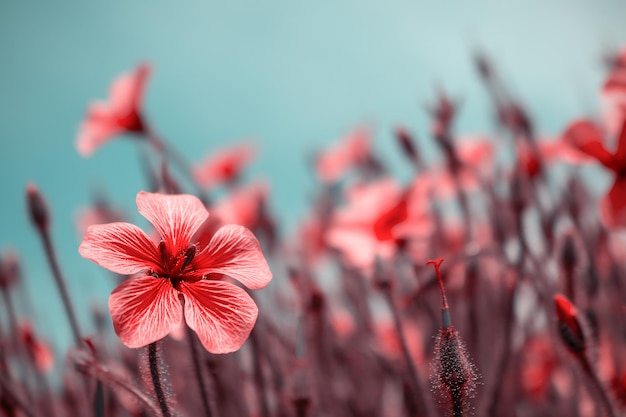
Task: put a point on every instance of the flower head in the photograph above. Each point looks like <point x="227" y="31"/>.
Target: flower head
<point x="120" y="114"/>
<point x="225" y="166"/>
<point x="179" y="279"/>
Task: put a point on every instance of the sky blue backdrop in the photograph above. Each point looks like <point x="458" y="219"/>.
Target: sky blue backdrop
<point x="295" y="75"/>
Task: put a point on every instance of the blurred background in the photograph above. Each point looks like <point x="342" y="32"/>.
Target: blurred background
<point x="291" y="76"/>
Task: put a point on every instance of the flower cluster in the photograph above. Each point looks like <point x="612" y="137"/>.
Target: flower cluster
<point x="355" y="321"/>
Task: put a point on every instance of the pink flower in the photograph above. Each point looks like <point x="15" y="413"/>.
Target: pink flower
<point x="242" y="205"/>
<point x="121" y="114"/>
<point x="225" y="166"/>
<point x="179" y="279"/>
<point x="352" y="150"/>
<point x="377" y="215"/>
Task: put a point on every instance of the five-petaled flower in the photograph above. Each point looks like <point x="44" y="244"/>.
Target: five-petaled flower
<point x="178" y="280"/>
<point x="121" y="114"/>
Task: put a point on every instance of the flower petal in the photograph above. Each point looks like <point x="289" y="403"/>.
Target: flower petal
<point x="222" y="314"/>
<point x="127" y="90"/>
<point x="176" y="217"/>
<point x="235" y="252"/>
<point x="120" y="247"/>
<point x="98" y="128"/>
<point x="586" y="136"/>
<point x="144" y="310"/>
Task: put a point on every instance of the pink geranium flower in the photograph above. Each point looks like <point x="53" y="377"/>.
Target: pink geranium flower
<point x="377" y="215"/>
<point x="121" y="114"/>
<point x="225" y="166"/>
<point x="179" y="279"/>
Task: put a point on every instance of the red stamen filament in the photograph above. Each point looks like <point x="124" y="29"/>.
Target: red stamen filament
<point x="445" y="312"/>
<point x="437" y="263"/>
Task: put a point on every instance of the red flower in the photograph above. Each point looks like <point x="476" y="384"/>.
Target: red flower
<point x="121" y="114"/>
<point x="179" y="278"/>
<point x="586" y="136"/>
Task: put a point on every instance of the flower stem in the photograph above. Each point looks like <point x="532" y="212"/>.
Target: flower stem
<point x="598" y="390"/>
<point x="177" y="159"/>
<point x="457" y="403"/>
<point x="60" y="282"/>
<point x="156" y="379"/>
<point x="8" y="390"/>
<point x="198" y="372"/>
<point x="416" y="400"/>
<point x="87" y="364"/>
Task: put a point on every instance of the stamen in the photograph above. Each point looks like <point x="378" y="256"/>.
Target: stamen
<point x="189" y="255"/>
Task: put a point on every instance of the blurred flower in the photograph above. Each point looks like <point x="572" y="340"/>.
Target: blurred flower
<point x="145" y="308"/>
<point x="121" y="114"/>
<point x="351" y="150"/>
<point x="376" y="216"/>
<point x="224" y="166"/>
<point x="242" y="205"/>
<point x="587" y="137"/>
<point x="38" y="351"/>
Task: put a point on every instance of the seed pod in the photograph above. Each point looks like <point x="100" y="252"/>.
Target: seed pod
<point x="454" y="376"/>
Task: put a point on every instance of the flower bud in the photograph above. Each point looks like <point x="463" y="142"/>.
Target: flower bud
<point x="570" y="327"/>
<point x="37" y="207"/>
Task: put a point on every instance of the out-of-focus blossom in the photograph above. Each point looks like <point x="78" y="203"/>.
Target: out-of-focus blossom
<point x="377" y="214"/>
<point x="120" y="114"/>
<point x="38" y="351"/>
<point x="348" y="152"/>
<point x="178" y="279"/>
<point x="242" y="205"/>
<point x="224" y="166"/>
<point x="587" y="137"/>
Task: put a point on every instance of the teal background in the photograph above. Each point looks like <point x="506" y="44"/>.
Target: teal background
<point x="292" y="75"/>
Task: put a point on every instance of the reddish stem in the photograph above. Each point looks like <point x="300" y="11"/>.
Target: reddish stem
<point x="445" y="309"/>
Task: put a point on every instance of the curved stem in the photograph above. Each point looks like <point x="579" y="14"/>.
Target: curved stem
<point x="156" y="379"/>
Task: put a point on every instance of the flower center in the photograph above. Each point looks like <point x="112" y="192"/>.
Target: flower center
<point x="177" y="267"/>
